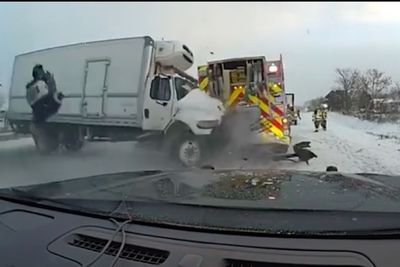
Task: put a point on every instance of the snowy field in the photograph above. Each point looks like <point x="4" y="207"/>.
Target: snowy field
<point x="350" y="144"/>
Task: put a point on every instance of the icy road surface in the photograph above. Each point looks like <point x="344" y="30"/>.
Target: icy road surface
<point x="351" y="144"/>
<point x="20" y="164"/>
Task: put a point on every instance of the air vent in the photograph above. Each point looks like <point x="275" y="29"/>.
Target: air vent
<point x="187" y="59"/>
<point x="241" y="263"/>
<point x="187" y="50"/>
<point x="130" y="252"/>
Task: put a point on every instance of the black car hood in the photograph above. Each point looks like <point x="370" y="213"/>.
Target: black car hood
<point x="248" y="189"/>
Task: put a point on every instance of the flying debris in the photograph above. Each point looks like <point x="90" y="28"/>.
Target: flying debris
<point x="300" y="152"/>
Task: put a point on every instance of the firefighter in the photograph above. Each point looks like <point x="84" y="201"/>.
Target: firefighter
<point x="320" y="117"/>
<point x="324" y="111"/>
<point x="41" y="94"/>
<point x="291" y="114"/>
<point x="298" y="113"/>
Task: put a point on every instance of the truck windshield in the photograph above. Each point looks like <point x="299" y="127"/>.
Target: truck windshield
<point x="182" y="87"/>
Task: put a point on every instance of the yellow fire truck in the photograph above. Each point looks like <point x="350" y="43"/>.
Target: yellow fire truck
<point x="255" y="86"/>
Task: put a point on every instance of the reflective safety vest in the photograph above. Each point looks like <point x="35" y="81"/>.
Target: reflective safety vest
<point x="324" y="114"/>
<point x="320" y="115"/>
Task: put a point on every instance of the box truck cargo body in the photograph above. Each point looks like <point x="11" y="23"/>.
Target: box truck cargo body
<point x="134" y="86"/>
<point x="101" y="81"/>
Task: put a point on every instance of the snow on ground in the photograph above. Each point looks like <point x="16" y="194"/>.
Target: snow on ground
<point x="350" y="144"/>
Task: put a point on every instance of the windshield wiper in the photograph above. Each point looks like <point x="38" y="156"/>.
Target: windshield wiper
<point x="367" y="233"/>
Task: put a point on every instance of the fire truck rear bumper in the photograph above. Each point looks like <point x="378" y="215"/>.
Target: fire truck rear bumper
<point x="272" y="143"/>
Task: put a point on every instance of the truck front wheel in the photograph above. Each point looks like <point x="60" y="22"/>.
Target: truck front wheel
<point x="188" y="149"/>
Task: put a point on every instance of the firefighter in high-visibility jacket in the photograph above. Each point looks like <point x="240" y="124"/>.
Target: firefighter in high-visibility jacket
<point x="320" y="117"/>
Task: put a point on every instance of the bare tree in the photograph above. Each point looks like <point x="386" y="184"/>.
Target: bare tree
<point x="315" y="103"/>
<point x="361" y="96"/>
<point x="376" y="82"/>
<point x="347" y="80"/>
<point x="395" y="91"/>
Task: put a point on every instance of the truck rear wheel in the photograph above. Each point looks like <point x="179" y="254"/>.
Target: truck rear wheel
<point x="73" y="138"/>
<point x="45" y="138"/>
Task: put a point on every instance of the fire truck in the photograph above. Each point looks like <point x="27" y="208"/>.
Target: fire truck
<point x="254" y="89"/>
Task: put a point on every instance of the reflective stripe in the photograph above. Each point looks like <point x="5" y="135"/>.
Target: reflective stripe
<point x="263" y="103"/>
<point x="274" y="121"/>
<point x="270" y="99"/>
<point x="268" y="126"/>
<point x="264" y="111"/>
<point x="235" y="96"/>
<point x="277" y="110"/>
<point x="263" y="106"/>
<point x="203" y="78"/>
<point x="274" y="108"/>
<point x="203" y="83"/>
<point x="273" y="125"/>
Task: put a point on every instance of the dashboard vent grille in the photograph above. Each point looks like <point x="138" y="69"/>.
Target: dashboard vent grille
<point x="130" y="252"/>
<point x="243" y="263"/>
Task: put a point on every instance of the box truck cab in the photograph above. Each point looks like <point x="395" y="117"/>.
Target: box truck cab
<point x="130" y="88"/>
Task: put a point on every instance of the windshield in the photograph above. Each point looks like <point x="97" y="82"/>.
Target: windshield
<point x="182" y="87"/>
<point x="295" y="108"/>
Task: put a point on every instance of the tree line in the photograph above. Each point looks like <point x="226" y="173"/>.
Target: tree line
<point x="353" y="90"/>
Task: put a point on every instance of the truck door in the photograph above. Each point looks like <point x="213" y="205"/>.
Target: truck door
<point x="95" y="88"/>
<point x="158" y="104"/>
<point x="290" y="99"/>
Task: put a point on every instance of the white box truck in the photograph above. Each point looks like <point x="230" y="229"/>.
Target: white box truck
<point x="134" y="87"/>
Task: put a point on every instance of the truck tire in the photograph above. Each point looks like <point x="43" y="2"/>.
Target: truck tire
<point x="188" y="150"/>
<point x="73" y="138"/>
<point x="45" y="138"/>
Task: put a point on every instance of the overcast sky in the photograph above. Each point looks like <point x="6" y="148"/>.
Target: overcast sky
<point x="314" y="38"/>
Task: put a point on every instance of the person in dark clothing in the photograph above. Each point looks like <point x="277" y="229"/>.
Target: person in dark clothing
<point x="300" y="152"/>
<point x="298" y="114"/>
<point x="41" y="94"/>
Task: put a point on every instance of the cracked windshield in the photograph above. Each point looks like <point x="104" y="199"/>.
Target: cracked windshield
<point x="136" y="110"/>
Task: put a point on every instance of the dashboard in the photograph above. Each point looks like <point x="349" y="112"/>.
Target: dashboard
<point x="37" y="236"/>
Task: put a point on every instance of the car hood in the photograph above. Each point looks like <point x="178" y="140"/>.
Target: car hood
<point x="198" y="101"/>
<point x="249" y="189"/>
